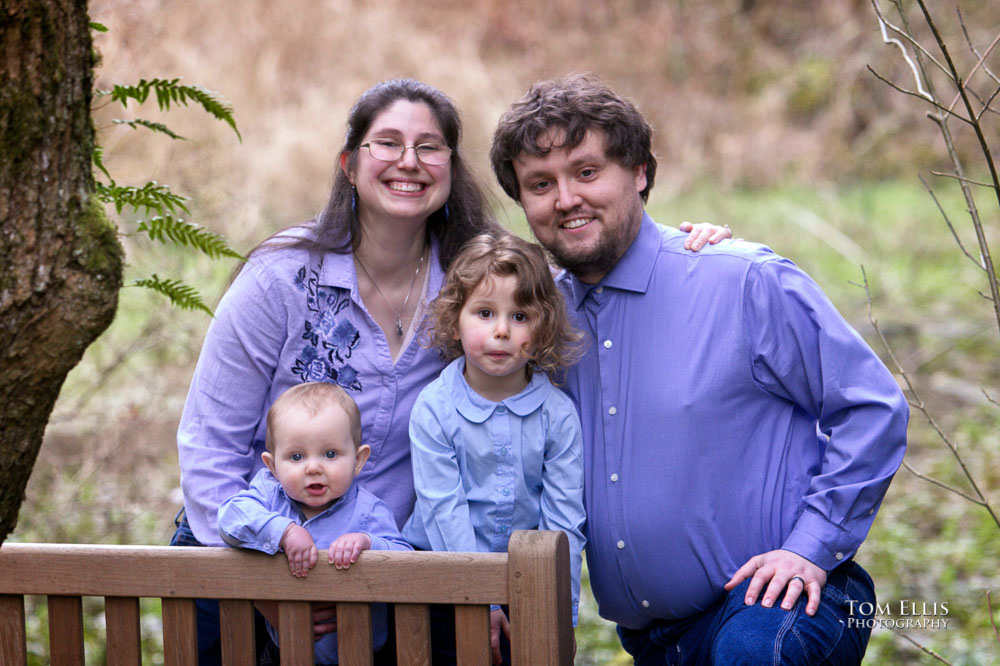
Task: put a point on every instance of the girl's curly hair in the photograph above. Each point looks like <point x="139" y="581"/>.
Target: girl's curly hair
<point x="555" y="342"/>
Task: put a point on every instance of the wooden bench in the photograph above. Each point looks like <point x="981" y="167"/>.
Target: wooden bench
<point x="532" y="578"/>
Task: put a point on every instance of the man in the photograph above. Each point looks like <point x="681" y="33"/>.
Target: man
<point x="739" y="435"/>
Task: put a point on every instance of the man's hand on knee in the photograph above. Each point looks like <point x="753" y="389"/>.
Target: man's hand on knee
<point x="781" y="570"/>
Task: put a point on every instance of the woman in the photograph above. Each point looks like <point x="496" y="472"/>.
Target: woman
<point x="337" y="299"/>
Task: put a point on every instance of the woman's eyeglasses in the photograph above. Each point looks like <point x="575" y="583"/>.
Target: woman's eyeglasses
<point x="431" y="154"/>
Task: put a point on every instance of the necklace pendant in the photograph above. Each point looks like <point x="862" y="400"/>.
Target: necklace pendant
<point x="399" y="326"/>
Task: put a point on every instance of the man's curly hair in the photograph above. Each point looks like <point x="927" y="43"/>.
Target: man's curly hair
<point x="554" y="340"/>
<point x="573" y="106"/>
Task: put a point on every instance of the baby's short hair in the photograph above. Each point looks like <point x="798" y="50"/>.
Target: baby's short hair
<point x="314" y="396"/>
<point x="553" y="337"/>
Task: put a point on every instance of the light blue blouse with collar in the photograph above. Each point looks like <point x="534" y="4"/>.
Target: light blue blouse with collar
<point x="482" y="469"/>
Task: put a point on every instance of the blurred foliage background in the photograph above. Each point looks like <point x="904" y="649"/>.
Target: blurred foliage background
<point x="765" y="118"/>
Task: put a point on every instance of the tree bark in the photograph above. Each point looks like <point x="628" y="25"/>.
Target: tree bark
<point x="60" y="257"/>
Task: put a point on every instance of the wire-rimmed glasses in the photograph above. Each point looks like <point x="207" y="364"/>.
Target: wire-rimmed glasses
<point x="386" y="150"/>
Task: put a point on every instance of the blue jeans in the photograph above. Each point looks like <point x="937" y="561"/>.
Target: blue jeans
<point x="732" y="633"/>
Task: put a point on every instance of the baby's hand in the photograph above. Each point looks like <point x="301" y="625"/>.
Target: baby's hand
<point x="300" y="549"/>
<point x="498" y="623"/>
<point x="345" y="550"/>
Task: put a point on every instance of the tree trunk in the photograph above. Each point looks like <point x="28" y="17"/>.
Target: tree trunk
<point x="60" y="258"/>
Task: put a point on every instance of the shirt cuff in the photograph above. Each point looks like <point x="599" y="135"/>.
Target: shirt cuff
<point x="819" y="541"/>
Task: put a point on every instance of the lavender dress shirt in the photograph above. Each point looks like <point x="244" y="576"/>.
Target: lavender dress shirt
<point x="728" y="410"/>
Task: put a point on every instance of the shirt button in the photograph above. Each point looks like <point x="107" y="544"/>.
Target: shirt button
<point x="600" y="290"/>
<point x="607" y="344"/>
<point x="506" y="491"/>
<point x="501" y="410"/>
<point x="645" y="604"/>
<point x="503" y="451"/>
<point x="614" y="477"/>
<point x="620" y="544"/>
<point x="612" y="410"/>
<point x="871" y="511"/>
<point x="839" y="556"/>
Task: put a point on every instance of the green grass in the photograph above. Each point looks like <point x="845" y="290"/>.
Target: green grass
<point x="107" y="472"/>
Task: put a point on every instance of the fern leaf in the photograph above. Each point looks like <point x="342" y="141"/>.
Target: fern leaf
<point x="156" y="127"/>
<point x="169" y="228"/>
<point x="214" y="104"/>
<point x="97" y="157"/>
<point x="150" y="198"/>
<point x="98" y="27"/>
<point x="171" y="91"/>
<point x="180" y="294"/>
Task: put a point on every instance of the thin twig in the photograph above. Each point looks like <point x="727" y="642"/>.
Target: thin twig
<point x="922" y="647"/>
<point x="951" y="227"/>
<point x="941" y="484"/>
<point x="883" y="24"/>
<point x="986" y="106"/>
<point x="918" y="403"/>
<point x="972" y="47"/>
<point x="972" y="72"/>
<point x="989" y="398"/>
<point x="989" y="604"/>
<point x="965" y="180"/>
<point x="921" y="97"/>
<point x="984" y="247"/>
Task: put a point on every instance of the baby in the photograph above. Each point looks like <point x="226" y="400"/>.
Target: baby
<point x="306" y="494"/>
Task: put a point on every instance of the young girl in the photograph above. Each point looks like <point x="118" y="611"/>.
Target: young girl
<point x="495" y="446"/>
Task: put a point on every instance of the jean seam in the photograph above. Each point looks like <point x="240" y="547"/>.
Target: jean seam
<point x="788" y="626"/>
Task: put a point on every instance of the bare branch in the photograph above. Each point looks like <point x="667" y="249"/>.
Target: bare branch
<point x="984" y="247"/>
<point x="883" y="24"/>
<point x="972" y="47"/>
<point x="989" y="398"/>
<point x="964" y="180"/>
<point x="921" y="646"/>
<point x="972" y="72"/>
<point x="918" y="403"/>
<point x="941" y="484"/>
<point x="986" y="106"/>
<point x="947" y="221"/>
<point x="993" y="623"/>
<point x="933" y="102"/>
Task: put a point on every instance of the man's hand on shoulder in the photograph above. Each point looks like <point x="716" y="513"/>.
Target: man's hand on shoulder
<point x="781" y="570"/>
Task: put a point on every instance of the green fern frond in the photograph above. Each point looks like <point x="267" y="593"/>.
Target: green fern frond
<point x="99" y="27"/>
<point x="150" y="198"/>
<point x="180" y="294"/>
<point x="214" y="104"/>
<point x="156" y="127"/>
<point x="170" y="91"/>
<point x="180" y="232"/>
<point x="97" y="157"/>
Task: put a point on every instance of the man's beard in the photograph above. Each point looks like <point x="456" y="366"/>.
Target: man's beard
<point x="602" y="258"/>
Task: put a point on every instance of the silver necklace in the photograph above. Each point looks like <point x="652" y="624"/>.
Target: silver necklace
<point x="398" y="313"/>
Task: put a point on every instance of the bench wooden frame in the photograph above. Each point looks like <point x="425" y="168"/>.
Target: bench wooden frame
<point x="532" y="578"/>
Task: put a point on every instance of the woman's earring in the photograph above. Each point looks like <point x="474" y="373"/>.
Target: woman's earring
<point x="445" y="211"/>
<point x="354" y="200"/>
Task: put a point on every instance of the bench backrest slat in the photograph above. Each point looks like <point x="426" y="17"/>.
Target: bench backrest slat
<point x="124" y="642"/>
<point x="66" y="645"/>
<point x="13" y="642"/>
<point x="238" y="638"/>
<point x="413" y="629"/>
<point x="533" y="579"/>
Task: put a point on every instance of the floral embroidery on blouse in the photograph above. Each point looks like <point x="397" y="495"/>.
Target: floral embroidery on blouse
<point x="330" y="338"/>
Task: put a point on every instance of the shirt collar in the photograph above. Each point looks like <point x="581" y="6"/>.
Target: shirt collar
<point x="632" y="272"/>
<point x="478" y="409"/>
